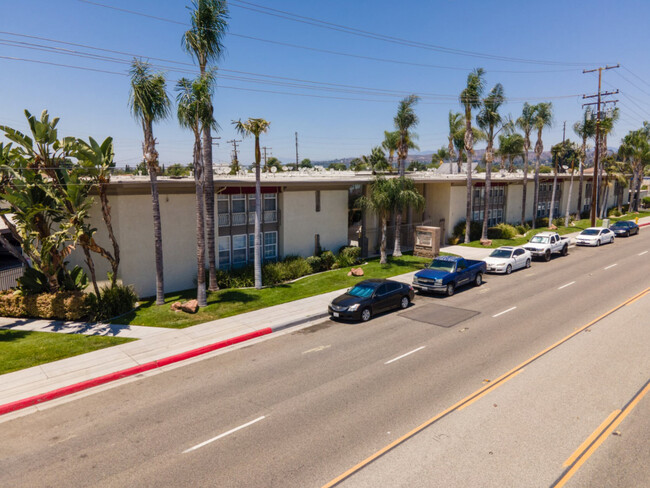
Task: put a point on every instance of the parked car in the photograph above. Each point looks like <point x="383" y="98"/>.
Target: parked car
<point x="505" y="259"/>
<point x="595" y="236"/>
<point x="370" y="297"/>
<point x="544" y="244"/>
<point x="446" y="273"/>
<point x="624" y="228"/>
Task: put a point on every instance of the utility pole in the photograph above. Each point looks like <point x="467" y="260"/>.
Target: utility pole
<point x="563" y="133"/>
<point x="264" y="148"/>
<point x="599" y="95"/>
<point x="296" y="151"/>
<point x="235" y="160"/>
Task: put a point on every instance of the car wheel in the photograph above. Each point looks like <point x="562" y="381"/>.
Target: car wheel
<point x="598" y="243"/>
<point x="509" y="269"/>
<point x="478" y="279"/>
<point x="547" y="256"/>
<point x="405" y="302"/>
<point x="365" y="315"/>
<point x="628" y="234"/>
<point x="450" y="289"/>
<point x="611" y="239"/>
<point x="528" y="263"/>
<point x="565" y="250"/>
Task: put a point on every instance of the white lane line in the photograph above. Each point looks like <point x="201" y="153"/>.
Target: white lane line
<point x="505" y="311"/>
<point x="404" y="355"/>
<point x="568" y="284"/>
<point x="642" y="253"/>
<point x="611" y="266"/>
<point x="224" y="434"/>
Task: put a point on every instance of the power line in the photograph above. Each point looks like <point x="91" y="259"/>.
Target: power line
<point x="371" y="35"/>
<point x="636" y="76"/>
<point x="633" y="84"/>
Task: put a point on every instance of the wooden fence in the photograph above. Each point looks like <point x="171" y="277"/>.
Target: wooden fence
<point x="9" y="277"/>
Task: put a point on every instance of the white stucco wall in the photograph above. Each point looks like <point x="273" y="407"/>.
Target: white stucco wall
<point x="300" y="221"/>
<point x="457" y="206"/>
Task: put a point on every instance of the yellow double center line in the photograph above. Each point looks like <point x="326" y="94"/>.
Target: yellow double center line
<point x="477" y="394"/>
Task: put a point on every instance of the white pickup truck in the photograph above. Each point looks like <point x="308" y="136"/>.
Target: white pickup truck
<point x="542" y="245"/>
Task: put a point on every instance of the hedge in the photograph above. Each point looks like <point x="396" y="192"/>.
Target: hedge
<point x="63" y="305"/>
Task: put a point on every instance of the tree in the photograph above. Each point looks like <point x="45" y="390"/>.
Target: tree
<point x="562" y="154"/>
<point x="204" y="41"/>
<point x="635" y="149"/>
<point x="337" y="166"/>
<point x="357" y="164"/>
<point x="543" y="119"/>
<point x="585" y="129"/>
<point x="149" y="103"/>
<point x="417" y="166"/>
<point x="526" y="123"/>
<point x="510" y="147"/>
<point x="194" y="112"/>
<point x="274" y="162"/>
<point x="404" y="196"/>
<point x="489" y="119"/>
<point x="256" y="127"/>
<point x="391" y="144"/>
<point x="441" y="155"/>
<point x="455" y="127"/>
<point x="376" y="160"/>
<point x="306" y="163"/>
<point x="380" y="200"/>
<point x="470" y="98"/>
<point x="606" y="128"/>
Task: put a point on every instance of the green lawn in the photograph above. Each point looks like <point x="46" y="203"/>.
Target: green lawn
<point x="21" y="349"/>
<point x="578" y="225"/>
<point x="228" y="302"/>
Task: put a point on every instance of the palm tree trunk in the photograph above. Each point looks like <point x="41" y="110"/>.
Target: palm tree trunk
<point x="486" y="199"/>
<point x="639" y="180"/>
<point x="258" y="217"/>
<point x="200" y="223"/>
<point x="91" y="267"/>
<point x="208" y="192"/>
<point x="151" y="158"/>
<point x="525" y="182"/>
<point x="469" y="147"/>
<point x="536" y="189"/>
<point x="568" y="204"/>
<point x="552" y="209"/>
<point x="382" y="245"/>
<point x="581" y="180"/>
<point x="397" y="249"/>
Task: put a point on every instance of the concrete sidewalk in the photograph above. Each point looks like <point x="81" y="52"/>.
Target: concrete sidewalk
<point x="157" y="343"/>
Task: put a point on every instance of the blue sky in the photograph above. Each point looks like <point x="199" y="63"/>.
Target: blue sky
<point x="340" y="121"/>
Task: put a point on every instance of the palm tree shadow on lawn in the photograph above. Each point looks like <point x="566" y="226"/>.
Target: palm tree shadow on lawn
<point x="232" y="296"/>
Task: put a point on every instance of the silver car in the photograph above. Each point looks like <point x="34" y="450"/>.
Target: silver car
<point x="506" y="259"/>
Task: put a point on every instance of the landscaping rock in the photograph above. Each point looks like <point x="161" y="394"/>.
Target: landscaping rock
<point x="486" y="242"/>
<point x="176" y="306"/>
<point x="190" y="307"/>
<point x="355" y="272"/>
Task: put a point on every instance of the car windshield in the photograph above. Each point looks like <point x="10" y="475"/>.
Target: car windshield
<point x="617" y="225"/>
<point x="539" y="240"/>
<point x="501" y="253"/>
<point x="441" y="265"/>
<point x="590" y="232"/>
<point x="361" y="291"/>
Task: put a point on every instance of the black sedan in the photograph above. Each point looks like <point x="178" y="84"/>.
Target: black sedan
<point x="370" y="297"/>
<point x="624" y="228"/>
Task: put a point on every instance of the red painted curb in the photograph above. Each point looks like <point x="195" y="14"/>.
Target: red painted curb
<point x="643" y="225"/>
<point x="84" y="385"/>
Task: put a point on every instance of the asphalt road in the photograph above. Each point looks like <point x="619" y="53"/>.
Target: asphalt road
<point x="301" y="409"/>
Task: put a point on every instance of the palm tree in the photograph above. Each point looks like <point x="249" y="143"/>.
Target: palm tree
<point x="606" y="128"/>
<point x="526" y="122"/>
<point x="255" y="127"/>
<point x="376" y="160"/>
<point x="149" y="103"/>
<point x="204" y="41"/>
<point x="635" y="149"/>
<point x="357" y="164"/>
<point x="585" y="129"/>
<point x="405" y="195"/>
<point x="488" y="119"/>
<point x="441" y="155"/>
<point x="470" y="98"/>
<point x="380" y="200"/>
<point x="455" y="122"/>
<point x="511" y="146"/>
<point x="391" y="144"/>
<point x="543" y="118"/>
<point x="194" y="113"/>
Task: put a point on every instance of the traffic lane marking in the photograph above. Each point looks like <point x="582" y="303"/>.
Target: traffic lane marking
<point x="478" y="392"/>
<point x="568" y="284"/>
<point x="478" y="397"/>
<point x="505" y="311"/>
<point x="595" y="444"/>
<point x="611" y="266"/>
<point x="642" y="253"/>
<point x="220" y="436"/>
<point x="589" y="440"/>
<point x="404" y="355"/>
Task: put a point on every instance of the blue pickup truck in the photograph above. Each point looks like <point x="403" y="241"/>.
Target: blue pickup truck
<point x="446" y="273"/>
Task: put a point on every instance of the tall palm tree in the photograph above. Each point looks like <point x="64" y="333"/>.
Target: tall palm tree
<point x="149" y="103"/>
<point x="542" y="120"/>
<point x="635" y="149"/>
<point x="391" y="144"/>
<point x="404" y="120"/>
<point x="488" y="119"/>
<point x="380" y="200"/>
<point x="470" y="98"/>
<point x="455" y="122"/>
<point x="194" y="113"/>
<point x="204" y="41"/>
<point x="606" y="128"/>
<point x="255" y="127"/>
<point x="526" y="122"/>
<point x="376" y="160"/>
<point x="405" y="195"/>
<point x="511" y="146"/>
<point x="585" y="129"/>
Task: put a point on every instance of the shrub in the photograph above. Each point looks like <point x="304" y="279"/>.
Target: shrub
<point x="559" y="221"/>
<point x="315" y="263"/>
<point x="295" y="267"/>
<point x="521" y="229"/>
<point x="272" y="273"/>
<point x="348" y="256"/>
<point x="507" y="231"/>
<point x="541" y="222"/>
<point x="545" y="169"/>
<point x="494" y="233"/>
<point x="328" y="259"/>
<point x="63" y="305"/>
<point x="237" y="278"/>
<point x="112" y="301"/>
<point x="646" y="201"/>
<point x="585" y="214"/>
<point x="475" y="229"/>
<point x="614" y="213"/>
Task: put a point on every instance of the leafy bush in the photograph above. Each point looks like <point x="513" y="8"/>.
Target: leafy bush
<point x="63" y="305"/>
<point x="545" y="169"/>
<point x="541" y="222"/>
<point x="585" y="214"/>
<point x="522" y="229"/>
<point x="494" y="233"/>
<point x="34" y="282"/>
<point x="328" y="259"/>
<point x="237" y="278"/>
<point x="111" y="302"/>
<point x="614" y="213"/>
<point x="507" y="231"/>
<point x="646" y="201"/>
<point x="315" y="263"/>
<point x="559" y="221"/>
<point x="475" y="229"/>
<point x="274" y="273"/>
<point x="348" y="256"/>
